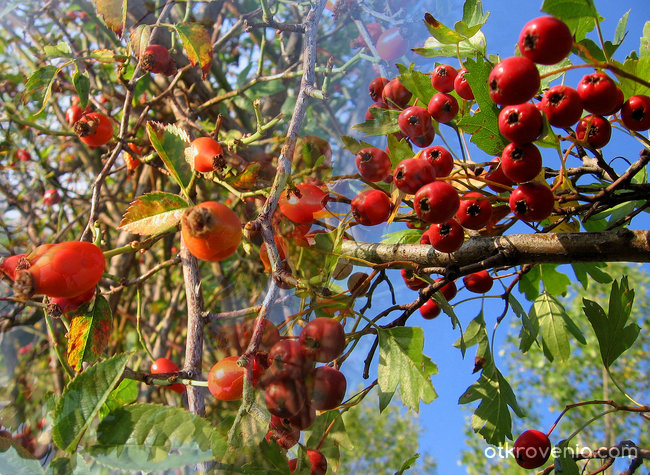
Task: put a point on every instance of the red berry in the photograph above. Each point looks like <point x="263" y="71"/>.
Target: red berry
<point x="430" y="309"/>
<point x="156" y="59"/>
<point x="474" y="211"/>
<point x="442" y="78"/>
<point x="94" y="129"/>
<point x="371" y="207"/>
<point x="440" y="158"/>
<point x="327" y="388"/>
<point x="562" y="106"/>
<point x="595" y="130"/>
<point x="414" y="121"/>
<point x="462" y="87"/>
<point x="411" y="174"/>
<point x="380" y="104"/>
<point x="598" y="93"/>
<point x="513" y="81"/>
<point x="391" y="45"/>
<point x="412" y="280"/>
<point x="532" y="201"/>
<point x="545" y="40"/>
<point x="478" y="282"/>
<point x="72" y="304"/>
<point x="300" y="205"/>
<point x="324" y="339"/>
<point x="289" y="358"/>
<point x="436" y="202"/>
<point x="448" y="290"/>
<point x="73" y="114"/>
<point x="636" y="113"/>
<point x="282" y="433"/>
<point x="285" y="397"/>
<point x="532" y="449"/>
<point x="443" y="107"/>
<point x="444" y="237"/>
<point x="51" y="197"/>
<point x="205" y="155"/>
<point x="23" y="155"/>
<point x="316" y="459"/>
<point x="496" y="176"/>
<point x="131" y="159"/>
<point x="521" y="123"/>
<point x="395" y="94"/>
<point x="425" y="139"/>
<point x="211" y="231"/>
<point x="305" y="417"/>
<point x="376" y="86"/>
<point x="521" y="162"/>
<point x="373" y="164"/>
<point x="164" y="365"/>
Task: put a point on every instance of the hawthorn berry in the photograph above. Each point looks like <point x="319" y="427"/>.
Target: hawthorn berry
<point x="395" y="94"/>
<point x="521" y="123"/>
<point x="521" y="162"/>
<point x="497" y="180"/>
<point x="635" y="113"/>
<point x="436" y="202"/>
<point x="462" y="87"/>
<point x="514" y="80"/>
<point x="373" y="164"/>
<point x="282" y="432"/>
<point x="371" y="207"/>
<point x="211" y="231"/>
<point x="562" y="106"/>
<point x="376" y="86"/>
<point x="443" y="107"/>
<point x="532" y="449"/>
<point x="595" y="130"/>
<point x="94" y="129"/>
<point x="391" y="44"/>
<point x="156" y="59"/>
<point x="23" y="155"/>
<point x="598" y="93"/>
<point x="300" y="204"/>
<point x="545" y="40"/>
<point x="51" y="197"/>
<point x="226" y="378"/>
<point x="474" y="211"/>
<point x="412" y="280"/>
<point x="440" y="158"/>
<point x="411" y="174"/>
<point x="479" y="282"/>
<point x="442" y="78"/>
<point x="289" y="358"/>
<point x="317" y="461"/>
<point x="285" y="397"/>
<point x="532" y="201"/>
<point x="444" y="237"/>
<point x="164" y="365"/>
<point x="205" y="155"/>
<point x="327" y="388"/>
<point x="414" y="121"/>
<point x="430" y="309"/>
<point x="449" y="290"/>
<point x="305" y="418"/>
<point x="425" y="139"/>
<point x="73" y="114"/>
<point x="323" y="339"/>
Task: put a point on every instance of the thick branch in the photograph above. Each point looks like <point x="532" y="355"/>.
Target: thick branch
<point x="622" y="245"/>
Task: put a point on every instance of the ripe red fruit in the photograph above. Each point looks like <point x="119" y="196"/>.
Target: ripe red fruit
<point x="636" y="113"/>
<point x="51" y="197"/>
<point x="496" y="176"/>
<point x="474" y="211"/>
<point x="442" y="78"/>
<point x="205" y="155"/>
<point x="436" y="202"/>
<point x="244" y="333"/>
<point x="414" y="121"/>
<point x="444" y="237"/>
<point x="226" y="378"/>
<point x="376" y="86"/>
<point x="425" y="139"/>
<point x="305" y="417"/>
<point x="299" y="205"/>
<point x="545" y="40"/>
<point x="443" y="107"/>
<point x="532" y="201"/>
<point x="67" y="269"/>
<point x="440" y="158"/>
<point x="283" y="433"/>
<point x="562" y="106"/>
<point x="430" y="309"/>
<point x="72" y="304"/>
<point x="411" y="174"/>
<point x="598" y="93"/>
<point x="380" y="104"/>
<point x="391" y="44"/>
<point x="462" y="87"/>
<point x="327" y="388"/>
<point x="131" y="158"/>
<point x="285" y="397"/>
<point x="324" y="339"/>
<point x="395" y="94"/>
<point x="513" y="81"/>
<point x="290" y="358"/>
<point x="23" y="155"/>
<point x="521" y="123"/>
<point x="478" y="282"/>
<point x="373" y="164"/>
<point x="521" y="162"/>
<point x="448" y="290"/>
<point x="9" y="264"/>
<point x="211" y="231"/>
<point x="412" y="280"/>
<point x="371" y="207"/>
<point x="73" y="114"/>
<point x="283" y="250"/>
<point x="156" y="59"/>
<point x="94" y="129"/>
<point x="164" y="365"/>
<point x="532" y="449"/>
<point x="595" y="130"/>
<point x="316" y="459"/>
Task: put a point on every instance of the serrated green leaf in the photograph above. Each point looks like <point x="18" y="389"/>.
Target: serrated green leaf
<point x="473" y="13"/>
<point x="407" y="464"/>
<point x="466" y="49"/>
<point x="398" y="149"/>
<point x="644" y="45"/>
<point x="614" y="335"/>
<point x="13" y="463"/>
<point x="61" y="49"/>
<point x="418" y="83"/>
<point x="384" y="399"/>
<point x="197" y="44"/>
<point x="565" y="9"/>
<point x="555" y="283"/>
<point x="529" y="283"/>
<point x="81" y="84"/>
<point x="82" y="399"/>
<point x="170" y="143"/>
<point x="153" y="213"/>
<point x="621" y="28"/>
<point x="639" y="67"/>
<point x="401" y="362"/>
<point x="384" y="122"/>
<point x="89" y="333"/>
<point x="267" y="459"/>
<point x="39" y="86"/>
<point x="555" y="324"/>
<point x="529" y="326"/>
<point x="440" y="32"/>
<point x="594" y="270"/>
<point x="405" y="236"/>
<point x="125" y="393"/>
<point x="353" y="145"/>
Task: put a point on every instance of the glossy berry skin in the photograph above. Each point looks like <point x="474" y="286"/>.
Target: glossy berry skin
<point x="442" y="78"/>
<point x="545" y="40"/>
<point x="285" y="397"/>
<point x="430" y="309"/>
<point x="436" y="202"/>
<point x="300" y="207"/>
<point x="391" y="44"/>
<point x="156" y="59"/>
<point x="425" y="139"/>
<point x="532" y="201"/>
<point x="327" y="388"/>
<point x="521" y="123"/>
<point x="73" y="114"/>
<point x="164" y="365"/>
<point x="94" y="129"/>
<point x="562" y="106"/>
<point x="440" y="158"/>
<point x="373" y="164"/>
<point x="411" y="174"/>
<point x="23" y="155"/>
<point x="211" y="231"/>
<point x="131" y="158"/>
<point x="316" y="459"/>
<point x="500" y="182"/>
<point x="620" y="99"/>
<point x="375" y="87"/>
<point x="414" y="121"/>
<point x="205" y="155"/>
<point x="289" y="358"/>
<point x="636" y="113"/>
<point x="474" y="211"/>
<point x="9" y="264"/>
<point x="479" y="282"/>
<point x="595" y="130"/>
<point x="443" y="107"/>
<point x="67" y="269"/>
<point x="323" y="338"/>
<point x="51" y="197"/>
<point x="72" y="304"/>
<point x="412" y="280"/>
<point x="462" y="87"/>
<point x="444" y="237"/>
<point x="371" y="207"/>
<point x="532" y="449"/>
<point x="598" y="93"/>
<point x="514" y="80"/>
<point x="521" y="162"/>
<point x="226" y="378"/>
<point x="395" y="94"/>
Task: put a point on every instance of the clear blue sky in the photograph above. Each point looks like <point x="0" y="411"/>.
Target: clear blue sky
<point x="444" y="421"/>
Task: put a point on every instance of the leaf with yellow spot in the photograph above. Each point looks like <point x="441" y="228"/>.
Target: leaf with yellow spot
<point x="247" y="178"/>
<point x="197" y="44"/>
<point x="89" y="333"/>
<point x="153" y="213"/>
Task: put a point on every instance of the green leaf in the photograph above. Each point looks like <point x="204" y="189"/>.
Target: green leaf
<point x="565" y="9"/>
<point x="418" y="83"/>
<point x="13" y="461"/>
<point x="170" y="143"/>
<point x="82" y="86"/>
<point x="492" y="417"/>
<point x="405" y="236"/>
<point x="384" y="399"/>
<point x="466" y="49"/>
<point x="529" y="283"/>
<point x="60" y="50"/>
<point x="39" y="85"/>
<point x="89" y="334"/>
<point x="151" y="437"/>
<point x="644" y="46"/>
<point x="529" y="326"/>
<point x="475" y="334"/>
<point x="440" y="32"/>
<point x="555" y="324"/>
<point x="354" y="145"/>
<point x="639" y="67"/>
<point x="621" y="28"/>
<point x="197" y="44"/>
<point x="384" y="122"/>
<point x="60" y="466"/>
<point x="398" y="150"/>
<point x="336" y="437"/>
<point x="125" y="393"/>
<point x="555" y="283"/>
<point x="565" y="464"/>
<point x="407" y="464"/>
<point x="265" y="459"/>
<point x="153" y="213"/>
<point x="614" y="335"/>
<point x="82" y="399"/>
<point x="473" y="13"/>
<point x="401" y="362"/>
<point x="594" y="270"/>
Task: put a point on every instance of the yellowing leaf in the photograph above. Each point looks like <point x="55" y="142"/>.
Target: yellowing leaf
<point x="153" y="213"/>
<point x="114" y="14"/>
<point x="89" y="333"/>
<point x="196" y="41"/>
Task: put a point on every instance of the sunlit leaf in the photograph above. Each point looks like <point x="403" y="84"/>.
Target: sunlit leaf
<point x="384" y="122"/>
<point x="247" y="178"/>
<point x="170" y="143"/>
<point x="114" y="14"/>
<point x="153" y="213"/>
<point x="39" y="86"/>
<point x="89" y="333"/>
<point x="197" y="44"/>
<point x="555" y="325"/>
